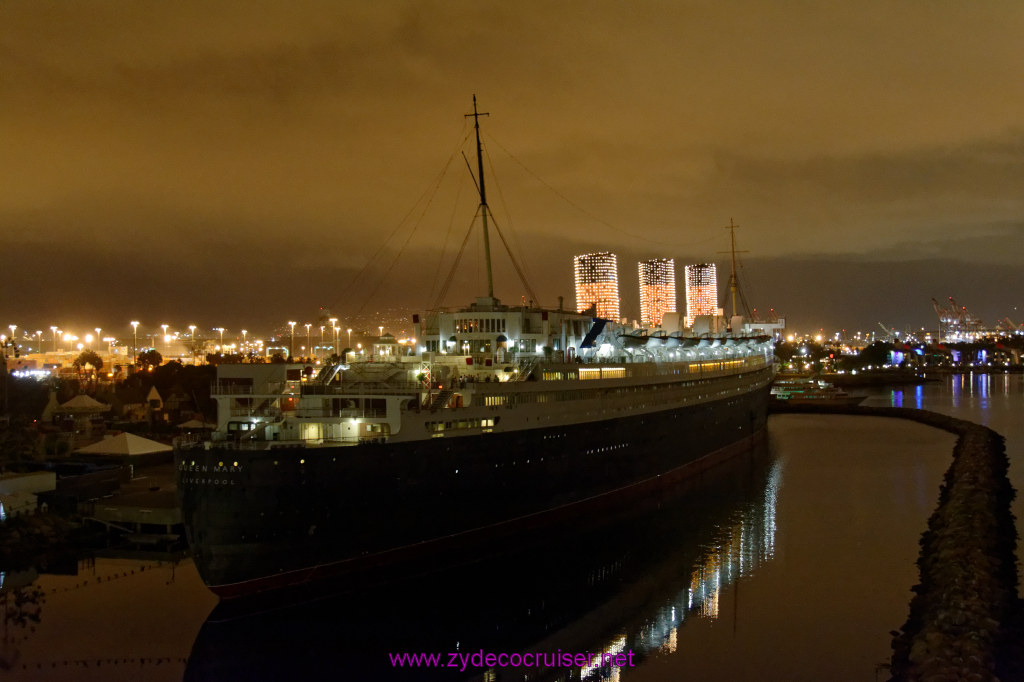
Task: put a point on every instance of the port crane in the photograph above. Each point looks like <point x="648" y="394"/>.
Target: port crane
<point x="955" y="321"/>
<point x="771" y="318"/>
<point x="1006" y="324"/>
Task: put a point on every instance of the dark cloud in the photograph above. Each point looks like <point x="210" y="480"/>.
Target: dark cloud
<point x="278" y="146"/>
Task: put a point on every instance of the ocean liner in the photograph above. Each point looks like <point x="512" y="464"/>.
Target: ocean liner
<point x="510" y="420"/>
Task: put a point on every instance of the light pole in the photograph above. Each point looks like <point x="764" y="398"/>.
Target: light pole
<point x="221" y="330"/>
<point x="135" y="342"/>
<point x="39" y="339"/>
<point x="308" y="325"/>
<point x="350" y="338"/>
<point x="321" y="342"/>
<point x="291" y="340"/>
<point x="54" y="330"/>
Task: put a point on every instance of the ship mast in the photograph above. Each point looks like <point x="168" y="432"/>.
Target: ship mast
<point x="733" y="282"/>
<point x="483" y="196"/>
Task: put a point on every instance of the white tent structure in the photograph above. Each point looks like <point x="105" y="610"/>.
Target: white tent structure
<point x="196" y="424"/>
<point x="125" y="444"/>
<point x="83" y="404"/>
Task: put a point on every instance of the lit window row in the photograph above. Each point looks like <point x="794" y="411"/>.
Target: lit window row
<point x="471" y="326"/>
<point x="455" y="424"/>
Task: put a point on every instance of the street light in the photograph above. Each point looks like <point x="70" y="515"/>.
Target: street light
<point x="349" y="338"/>
<point x="321" y="342"/>
<point x="308" y="325"/>
<point x="291" y="340"/>
<point x="54" y="330"/>
<point x="135" y="343"/>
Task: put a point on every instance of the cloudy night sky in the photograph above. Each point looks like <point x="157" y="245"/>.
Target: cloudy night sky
<point x="244" y="163"/>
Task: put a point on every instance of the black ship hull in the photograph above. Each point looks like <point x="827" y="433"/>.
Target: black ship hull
<point x="259" y="520"/>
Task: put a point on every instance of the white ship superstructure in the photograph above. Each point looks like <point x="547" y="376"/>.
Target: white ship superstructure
<point x="501" y="369"/>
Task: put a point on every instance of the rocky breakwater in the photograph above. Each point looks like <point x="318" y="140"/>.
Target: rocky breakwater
<point x="966" y="620"/>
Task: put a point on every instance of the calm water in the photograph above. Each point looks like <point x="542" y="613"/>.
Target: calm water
<point x="795" y="565"/>
<point x="995" y="400"/>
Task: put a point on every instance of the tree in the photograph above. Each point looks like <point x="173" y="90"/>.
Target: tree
<point x="21" y="609"/>
<point x="17" y="442"/>
<point x="875" y="355"/>
<point x="25" y="397"/>
<point x="150" y="358"/>
<point x="89" y="357"/>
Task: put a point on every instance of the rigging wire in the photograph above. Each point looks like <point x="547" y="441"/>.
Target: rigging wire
<point x="508" y="215"/>
<point x="515" y="263"/>
<point x="455" y="266"/>
<point x="428" y="195"/>
<point x="447" y="237"/>
<point x="401" y="250"/>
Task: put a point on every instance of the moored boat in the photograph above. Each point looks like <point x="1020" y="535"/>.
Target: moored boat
<point x="811" y="391"/>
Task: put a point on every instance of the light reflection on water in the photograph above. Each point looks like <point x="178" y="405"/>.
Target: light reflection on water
<point x="106" y="619"/>
<point x="993" y="399"/>
<point x="985" y="398"/>
<point x="972" y="390"/>
<point x="737" y="550"/>
<point x="906" y="397"/>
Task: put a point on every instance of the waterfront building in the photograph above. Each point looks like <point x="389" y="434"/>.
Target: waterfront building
<point x="657" y="290"/>
<point x="701" y="291"/>
<point x="597" y="283"/>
